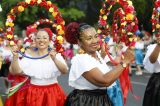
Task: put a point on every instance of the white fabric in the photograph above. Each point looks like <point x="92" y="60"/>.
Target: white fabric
<point x="139" y="45"/>
<point x="82" y="63"/>
<point x="41" y="71"/>
<point x="6" y="54"/>
<point x="146" y="62"/>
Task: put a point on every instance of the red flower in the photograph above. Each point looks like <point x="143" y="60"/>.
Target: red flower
<point x="102" y="22"/>
<point x="129" y="9"/>
<point x="157" y="4"/>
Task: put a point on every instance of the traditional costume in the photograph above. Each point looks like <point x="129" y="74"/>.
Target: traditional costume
<point x="86" y="93"/>
<point x="152" y="94"/>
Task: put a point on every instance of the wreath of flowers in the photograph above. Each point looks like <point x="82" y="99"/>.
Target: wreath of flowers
<point x="128" y="20"/>
<point x="58" y="20"/>
<point x="155" y="19"/>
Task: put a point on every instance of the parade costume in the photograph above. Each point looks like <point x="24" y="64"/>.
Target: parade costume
<point x="88" y="94"/>
<point x="152" y="94"/>
<point x="1" y="104"/>
<point x="44" y="88"/>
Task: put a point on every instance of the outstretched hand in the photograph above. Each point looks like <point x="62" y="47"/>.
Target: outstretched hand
<point x="129" y="56"/>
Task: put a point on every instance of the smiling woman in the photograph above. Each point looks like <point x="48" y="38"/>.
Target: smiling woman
<point x="43" y="72"/>
<point x="89" y="74"/>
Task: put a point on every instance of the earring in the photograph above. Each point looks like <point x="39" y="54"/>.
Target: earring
<point x="81" y="51"/>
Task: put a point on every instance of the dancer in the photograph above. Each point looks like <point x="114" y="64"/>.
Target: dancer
<point x="44" y="88"/>
<point x="89" y="75"/>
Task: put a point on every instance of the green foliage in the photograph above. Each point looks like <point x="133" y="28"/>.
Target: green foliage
<point x="74" y="10"/>
<point x="72" y="14"/>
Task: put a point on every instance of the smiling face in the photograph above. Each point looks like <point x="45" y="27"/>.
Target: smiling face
<point x="89" y="40"/>
<point x="42" y="39"/>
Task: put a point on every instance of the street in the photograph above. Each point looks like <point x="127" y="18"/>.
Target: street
<point x="138" y="82"/>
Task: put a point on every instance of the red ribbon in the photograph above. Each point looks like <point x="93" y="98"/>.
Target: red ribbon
<point x="124" y="79"/>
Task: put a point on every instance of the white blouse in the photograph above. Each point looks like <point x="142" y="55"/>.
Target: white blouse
<point x="82" y="63"/>
<point x="41" y="71"/>
<point x="146" y="62"/>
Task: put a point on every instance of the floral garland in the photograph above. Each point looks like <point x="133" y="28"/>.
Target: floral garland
<point x="128" y="19"/>
<point x="155" y="19"/>
<point x="58" y="20"/>
<point x="118" y="14"/>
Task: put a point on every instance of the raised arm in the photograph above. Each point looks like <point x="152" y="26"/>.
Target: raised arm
<point x="60" y="65"/>
<point x="15" y="68"/>
<point x="154" y="55"/>
<point x="96" y="77"/>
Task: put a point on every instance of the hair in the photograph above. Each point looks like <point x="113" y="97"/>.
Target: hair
<point x="48" y="30"/>
<point x="73" y="31"/>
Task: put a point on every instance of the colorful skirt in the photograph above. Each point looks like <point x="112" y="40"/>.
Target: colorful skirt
<point x="115" y="94"/>
<point x="48" y="95"/>
<point x="152" y="93"/>
<point x="19" y="97"/>
<point x="88" y="98"/>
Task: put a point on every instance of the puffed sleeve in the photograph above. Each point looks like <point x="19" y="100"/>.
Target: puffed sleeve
<point x="60" y="58"/>
<point x="80" y="64"/>
<point x="146" y="62"/>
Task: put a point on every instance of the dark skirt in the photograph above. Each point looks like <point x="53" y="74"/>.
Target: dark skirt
<point x="4" y="69"/>
<point x="88" y="98"/>
<point x="152" y="93"/>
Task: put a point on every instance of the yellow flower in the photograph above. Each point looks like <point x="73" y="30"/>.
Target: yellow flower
<point x="11" y="43"/>
<point x="20" y="8"/>
<point x="102" y="11"/>
<point x="105" y="17"/>
<point x="157" y="26"/>
<point x="54" y="14"/>
<point x="28" y="1"/>
<point x="130" y="39"/>
<point x="11" y="24"/>
<point x="51" y="9"/>
<point x="59" y="27"/>
<point x="129" y="17"/>
<point x="54" y="25"/>
<point x="99" y="31"/>
<point x="49" y="2"/>
<point x="11" y="11"/>
<point x="129" y="3"/>
<point x="22" y="50"/>
<point x="63" y="22"/>
<point x="39" y="1"/>
<point x="135" y="39"/>
<point x="124" y="23"/>
<point x="9" y="36"/>
<point x="60" y="39"/>
<point x="7" y="23"/>
<point x="153" y="30"/>
<point x="60" y="32"/>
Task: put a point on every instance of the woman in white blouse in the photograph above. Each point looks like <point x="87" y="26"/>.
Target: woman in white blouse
<point x="89" y="75"/>
<point x="152" y="64"/>
<point x="44" y="89"/>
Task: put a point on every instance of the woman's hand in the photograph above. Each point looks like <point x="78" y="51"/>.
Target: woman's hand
<point x="128" y="56"/>
<point x="53" y="53"/>
<point x="14" y="50"/>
